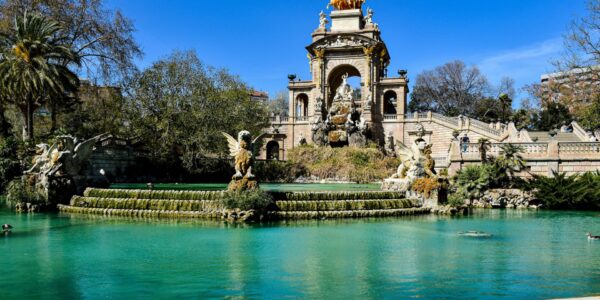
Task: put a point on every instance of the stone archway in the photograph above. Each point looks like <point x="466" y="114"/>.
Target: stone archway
<point x="273" y="150"/>
<point x="390" y="100"/>
<point x="335" y="80"/>
<point x="302" y="106"/>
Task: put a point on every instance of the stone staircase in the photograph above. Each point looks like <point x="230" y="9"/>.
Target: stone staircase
<point x="207" y="204"/>
<point x="322" y="205"/>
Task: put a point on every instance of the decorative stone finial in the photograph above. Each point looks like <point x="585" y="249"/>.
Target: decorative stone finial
<point x="323" y="21"/>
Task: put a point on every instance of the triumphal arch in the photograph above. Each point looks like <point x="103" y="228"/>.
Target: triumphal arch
<point x="326" y="110"/>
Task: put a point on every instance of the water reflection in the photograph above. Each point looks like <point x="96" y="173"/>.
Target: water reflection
<point x="531" y="255"/>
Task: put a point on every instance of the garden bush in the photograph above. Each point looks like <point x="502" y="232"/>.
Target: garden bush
<point x="19" y="192"/>
<point x="257" y="200"/>
<point x="580" y="192"/>
<point x="425" y="186"/>
<point x="10" y="166"/>
<point x="456" y="200"/>
<point x="362" y="165"/>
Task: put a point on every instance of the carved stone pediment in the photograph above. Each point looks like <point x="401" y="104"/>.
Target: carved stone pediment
<point x="342" y="41"/>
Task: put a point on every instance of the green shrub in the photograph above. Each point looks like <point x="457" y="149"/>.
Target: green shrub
<point x="456" y="200"/>
<point x="257" y="200"/>
<point x="362" y="165"/>
<point x="18" y="192"/>
<point x="10" y="166"/>
<point x="567" y="192"/>
<point x="472" y="181"/>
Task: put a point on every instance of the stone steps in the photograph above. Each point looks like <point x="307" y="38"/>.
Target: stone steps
<point x="351" y="213"/>
<point x="140" y="213"/>
<point x="146" y="204"/>
<point x="207" y="204"/>
<point x="344" y="205"/>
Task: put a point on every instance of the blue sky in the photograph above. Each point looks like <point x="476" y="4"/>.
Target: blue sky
<point x="262" y="41"/>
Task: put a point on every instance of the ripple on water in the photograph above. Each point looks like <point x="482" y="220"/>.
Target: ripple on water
<point x="531" y="255"/>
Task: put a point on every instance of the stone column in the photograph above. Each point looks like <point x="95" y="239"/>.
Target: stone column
<point x="553" y="157"/>
<point x="455" y="157"/>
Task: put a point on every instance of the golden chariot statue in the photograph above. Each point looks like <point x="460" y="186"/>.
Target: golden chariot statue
<point x="346" y="4"/>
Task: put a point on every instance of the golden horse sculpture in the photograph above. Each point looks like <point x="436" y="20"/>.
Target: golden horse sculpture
<point x="346" y="4"/>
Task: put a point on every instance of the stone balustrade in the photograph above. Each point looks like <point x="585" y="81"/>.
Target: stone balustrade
<point x="390" y="117"/>
<point x="279" y="120"/>
<point x="450" y="120"/>
<point x="528" y="148"/>
<point x="541" y="158"/>
<point x="579" y="147"/>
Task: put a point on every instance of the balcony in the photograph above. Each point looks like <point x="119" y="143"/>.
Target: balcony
<point x="390" y="117"/>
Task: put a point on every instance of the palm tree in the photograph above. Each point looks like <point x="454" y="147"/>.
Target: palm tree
<point x="506" y="102"/>
<point x="484" y="147"/>
<point x="510" y="159"/>
<point x="32" y="65"/>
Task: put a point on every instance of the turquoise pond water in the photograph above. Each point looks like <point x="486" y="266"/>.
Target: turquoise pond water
<point x="279" y="187"/>
<point x="532" y="255"/>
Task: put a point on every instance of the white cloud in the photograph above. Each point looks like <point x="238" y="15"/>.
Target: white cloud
<point x="524" y="64"/>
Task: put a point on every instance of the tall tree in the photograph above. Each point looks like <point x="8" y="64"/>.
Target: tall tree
<point x="34" y="65"/>
<point x="507" y="87"/>
<point x="452" y="89"/>
<point x="280" y="105"/>
<point x="590" y="116"/>
<point x="101" y="37"/>
<point x="506" y="103"/>
<point x="179" y="107"/>
<point x="553" y="116"/>
<point x="583" y="40"/>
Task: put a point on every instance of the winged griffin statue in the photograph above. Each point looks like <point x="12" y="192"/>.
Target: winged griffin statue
<point x="243" y="150"/>
<point x="411" y="165"/>
<point x="416" y="161"/>
<point x="56" y="171"/>
<point x="65" y="157"/>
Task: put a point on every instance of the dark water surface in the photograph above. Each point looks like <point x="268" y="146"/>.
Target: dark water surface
<point x="532" y="255"/>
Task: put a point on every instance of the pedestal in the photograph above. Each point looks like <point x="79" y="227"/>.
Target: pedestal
<point x="346" y="20"/>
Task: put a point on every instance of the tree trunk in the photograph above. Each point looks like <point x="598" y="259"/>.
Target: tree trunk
<point x="53" y="117"/>
<point x="4" y="125"/>
<point x="28" y="115"/>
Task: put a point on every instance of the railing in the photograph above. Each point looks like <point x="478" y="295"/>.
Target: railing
<point x="440" y="161"/>
<point x="278" y="120"/>
<point x="450" y="120"/>
<point x="527" y="148"/>
<point x="579" y="147"/>
<point x="484" y="126"/>
<point x="388" y="117"/>
<point x="423" y="115"/>
<point x="302" y="119"/>
<point x="537" y="148"/>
